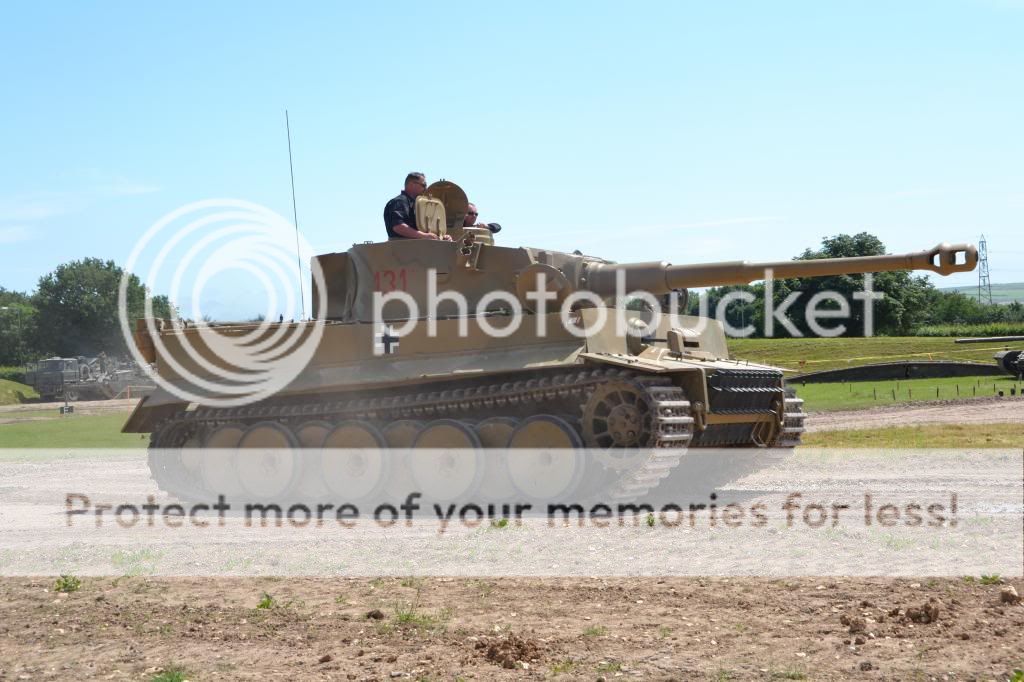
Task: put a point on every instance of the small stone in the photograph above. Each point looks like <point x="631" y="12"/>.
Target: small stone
<point x="859" y="640"/>
<point x="964" y="635"/>
<point x="866" y="665"/>
<point x="1008" y="595"/>
<point x="326" y="658"/>
<point x="397" y="673"/>
<point x="375" y="614"/>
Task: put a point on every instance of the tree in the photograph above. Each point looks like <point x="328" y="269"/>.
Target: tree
<point x="17" y="327"/>
<point x="904" y="306"/>
<point x="78" y="308"/>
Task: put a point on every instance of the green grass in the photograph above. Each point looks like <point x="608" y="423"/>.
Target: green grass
<point x="13" y="393"/>
<point x="408" y="614"/>
<point x="923" y="436"/>
<point x="67" y="584"/>
<point x="821" y="354"/>
<point x="72" y="431"/>
<point x="595" y="631"/>
<point x="566" y="666"/>
<point x="863" y="394"/>
<point x="174" y="673"/>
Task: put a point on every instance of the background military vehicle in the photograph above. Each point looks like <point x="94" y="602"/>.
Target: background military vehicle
<point x="82" y="378"/>
<point x="595" y="411"/>
<point x="1011" y="360"/>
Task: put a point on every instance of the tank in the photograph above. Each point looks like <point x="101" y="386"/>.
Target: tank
<point x="617" y="405"/>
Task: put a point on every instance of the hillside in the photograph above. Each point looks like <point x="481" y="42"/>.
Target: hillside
<point x="818" y="354"/>
<point x="1001" y="293"/>
<point x="12" y="393"/>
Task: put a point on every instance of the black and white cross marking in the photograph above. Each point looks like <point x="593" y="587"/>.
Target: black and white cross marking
<point x="384" y="341"/>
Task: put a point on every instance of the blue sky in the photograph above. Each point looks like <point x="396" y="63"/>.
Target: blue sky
<point x="677" y="131"/>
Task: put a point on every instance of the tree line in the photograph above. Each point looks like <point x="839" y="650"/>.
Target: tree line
<point x="72" y="312"/>
<point x="911" y="304"/>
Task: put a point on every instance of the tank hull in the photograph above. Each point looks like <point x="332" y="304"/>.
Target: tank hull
<point x="553" y="390"/>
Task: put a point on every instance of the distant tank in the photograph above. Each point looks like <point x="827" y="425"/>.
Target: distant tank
<point x="1012" y="361"/>
<point x="633" y="403"/>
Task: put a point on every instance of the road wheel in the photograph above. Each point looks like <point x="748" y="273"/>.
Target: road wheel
<point x="217" y="460"/>
<point x="311" y="436"/>
<point x="354" y="461"/>
<point x="494" y="433"/>
<point x="446" y="463"/>
<point x="400" y="435"/>
<point x="267" y="462"/>
<point x="551" y="464"/>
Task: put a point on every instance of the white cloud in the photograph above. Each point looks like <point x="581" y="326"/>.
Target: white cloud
<point x="15" y="233"/>
<point x="36" y="206"/>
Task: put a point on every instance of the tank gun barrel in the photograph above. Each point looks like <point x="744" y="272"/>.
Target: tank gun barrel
<point x="660" y="277"/>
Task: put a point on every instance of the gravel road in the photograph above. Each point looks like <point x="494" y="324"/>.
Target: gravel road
<point x="1007" y="410"/>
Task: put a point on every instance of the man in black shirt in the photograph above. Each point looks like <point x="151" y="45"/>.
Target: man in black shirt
<point x="400" y="212"/>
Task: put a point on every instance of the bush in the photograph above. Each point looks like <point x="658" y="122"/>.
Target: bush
<point x="982" y="329"/>
<point x="12" y="373"/>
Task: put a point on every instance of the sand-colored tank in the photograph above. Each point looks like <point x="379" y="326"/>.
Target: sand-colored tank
<point x="409" y="360"/>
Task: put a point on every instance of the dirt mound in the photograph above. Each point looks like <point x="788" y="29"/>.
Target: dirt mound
<point x="926" y="613"/>
<point x="510" y="650"/>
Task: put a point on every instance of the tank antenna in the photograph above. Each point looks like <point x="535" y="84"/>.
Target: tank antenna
<point x="295" y="214"/>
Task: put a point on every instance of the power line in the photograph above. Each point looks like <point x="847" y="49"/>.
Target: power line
<point x="984" y="276"/>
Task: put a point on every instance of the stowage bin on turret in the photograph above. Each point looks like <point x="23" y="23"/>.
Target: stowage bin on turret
<point x="468" y="345"/>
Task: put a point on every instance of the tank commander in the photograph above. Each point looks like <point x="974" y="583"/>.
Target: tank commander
<point x="471" y="220"/>
<point x="400" y="212"/>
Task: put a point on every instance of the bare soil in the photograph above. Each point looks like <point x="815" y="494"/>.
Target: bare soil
<point x="441" y="628"/>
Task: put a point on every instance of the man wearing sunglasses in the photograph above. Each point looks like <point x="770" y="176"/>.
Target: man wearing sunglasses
<point x="400" y="212"/>
<point x="471" y="220"/>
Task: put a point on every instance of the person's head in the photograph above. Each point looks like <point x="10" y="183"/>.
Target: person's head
<point x="471" y="215"/>
<point x="415" y="183"/>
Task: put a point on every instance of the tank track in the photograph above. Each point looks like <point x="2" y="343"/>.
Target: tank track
<point x="793" y="424"/>
<point x="559" y="392"/>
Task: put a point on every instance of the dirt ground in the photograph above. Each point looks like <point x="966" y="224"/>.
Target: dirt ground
<point x="33" y="411"/>
<point x="444" y="629"/>
<point x="1005" y="410"/>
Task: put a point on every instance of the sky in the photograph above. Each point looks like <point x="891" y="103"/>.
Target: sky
<point x="687" y="132"/>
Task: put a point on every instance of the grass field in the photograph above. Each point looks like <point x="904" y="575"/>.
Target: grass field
<point x="72" y="431"/>
<point x="863" y="394"/>
<point x="811" y="355"/>
<point x="12" y="393"/>
<point x="924" y="436"/>
<point x="1001" y="293"/>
